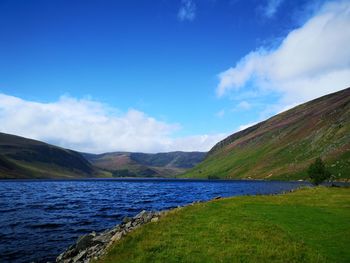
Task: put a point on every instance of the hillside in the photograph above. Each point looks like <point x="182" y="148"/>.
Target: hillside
<point x="25" y="158"/>
<point x="144" y="164"/>
<point x="283" y="146"/>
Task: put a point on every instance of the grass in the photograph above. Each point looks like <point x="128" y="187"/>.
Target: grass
<point x="309" y="225"/>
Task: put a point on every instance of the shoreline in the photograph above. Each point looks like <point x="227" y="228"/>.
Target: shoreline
<point x="95" y="245"/>
<point x="150" y="179"/>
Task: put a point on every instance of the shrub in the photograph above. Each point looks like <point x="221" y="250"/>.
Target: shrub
<point x="318" y="172"/>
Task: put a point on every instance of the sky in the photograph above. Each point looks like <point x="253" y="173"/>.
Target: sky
<point x="163" y="75"/>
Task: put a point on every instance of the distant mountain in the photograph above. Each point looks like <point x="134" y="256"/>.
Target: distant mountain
<point x="25" y="158"/>
<point x="144" y="164"/>
<point x="283" y="146"/>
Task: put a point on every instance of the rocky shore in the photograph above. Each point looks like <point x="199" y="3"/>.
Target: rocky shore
<point x="94" y="245"/>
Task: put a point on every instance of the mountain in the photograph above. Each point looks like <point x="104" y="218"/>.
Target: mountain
<point x="123" y="164"/>
<point x="25" y="158"/>
<point x="283" y="146"/>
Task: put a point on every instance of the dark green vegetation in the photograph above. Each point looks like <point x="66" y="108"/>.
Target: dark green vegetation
<point x="283" y="146"/>
<point x="318" y="172"/>
<point x="309" y="225"/>
<point x="25" y="158"/>
<point x="126" y="164"/>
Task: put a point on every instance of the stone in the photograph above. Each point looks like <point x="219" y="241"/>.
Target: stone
<point x="78" y="257"/>
<point x="126" y="219"/>
<point x="140" y="215"/>
<point x="85" y="241"/>
<point x="92" y="246"/>
<point x="135" y="223"/>
<point x="117" y="236"/>
<point x="147" y="217"/>
<point x="154" y="219"/>
<point x="104" y="238"/>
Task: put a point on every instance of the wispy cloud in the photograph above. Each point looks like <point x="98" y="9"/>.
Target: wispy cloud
<point x="187" y="10"/>
<point x="220" y="113"/>
<point x="244" y="105"/>
<point x="271" y="8"/>
<point x="91" y="126"/>
<point x="311" y="61"/>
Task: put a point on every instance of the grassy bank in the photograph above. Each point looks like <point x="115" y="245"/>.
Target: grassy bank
<point x="309" y="225"/>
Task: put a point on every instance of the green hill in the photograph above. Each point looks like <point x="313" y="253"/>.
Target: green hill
<point x="25" y="158"/>
<point x="127" y="164"/>
<point x="283" y="146"/>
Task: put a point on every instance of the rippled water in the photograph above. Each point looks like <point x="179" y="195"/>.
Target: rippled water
<point x="39" y="219"/>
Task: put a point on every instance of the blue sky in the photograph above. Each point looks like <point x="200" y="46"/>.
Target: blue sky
<point x="160" y="75"/>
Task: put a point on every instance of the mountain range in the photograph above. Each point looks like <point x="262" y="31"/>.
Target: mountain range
<point x="26" y="158"/>
<point x="122" y="164"/>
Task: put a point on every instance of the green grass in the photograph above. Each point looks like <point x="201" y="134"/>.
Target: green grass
<point x="309" y="225"/>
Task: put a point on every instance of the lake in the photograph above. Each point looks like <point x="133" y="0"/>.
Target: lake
<point x="39" y="219"/>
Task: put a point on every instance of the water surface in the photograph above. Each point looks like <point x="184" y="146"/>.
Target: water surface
<point x="40" y="218"/>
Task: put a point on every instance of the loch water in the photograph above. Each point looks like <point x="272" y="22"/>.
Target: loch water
<point x="39" y="219"/>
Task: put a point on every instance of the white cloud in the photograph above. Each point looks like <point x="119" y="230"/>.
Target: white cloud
<point x="201" y="141"/>
<point x="220" y="113"/>
<point x="271" y="8"/>
<point x="311" y="61"/>
<point x="90" y="126"/>
<point x="244" y="105"/>
<point x="187" y="10"/>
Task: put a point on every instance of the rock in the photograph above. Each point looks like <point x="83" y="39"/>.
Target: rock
<point x="128" y="225"/>
<point x="154" y="219"/>
<point x="217" y="197"/>
<point x="140" y="215"/>
<point x="79" y="256"/>
<point x="147" y="217"/>
<point x="104" y="238"/>
<point x="117" y="236"/>
<point x="136" y="223"/>
<point x="92" y="246"/>
<point x="126" y="219"/>
<point x="85" y="241"/>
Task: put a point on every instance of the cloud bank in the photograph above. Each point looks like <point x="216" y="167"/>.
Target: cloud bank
<point x="311" y="61"/>
<point x="90" y="126"/>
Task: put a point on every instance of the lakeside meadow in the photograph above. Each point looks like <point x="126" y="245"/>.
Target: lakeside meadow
<point x="307" y="225"/>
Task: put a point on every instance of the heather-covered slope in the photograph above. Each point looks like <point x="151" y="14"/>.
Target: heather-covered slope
<point x="124" y="164"/>
<point x="283" y="146"/>
<point x="25" y="158"/>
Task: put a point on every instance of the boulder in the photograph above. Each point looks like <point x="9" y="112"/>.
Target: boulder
<point x="128" y="224"/>
<point x="85" y="241"/>
<point x="79" y="257"/>
<point x="92" y="246"/>
<point x="126" y="219"/>
<point x="154" y="219"/>
<point x="140" y="215"/>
